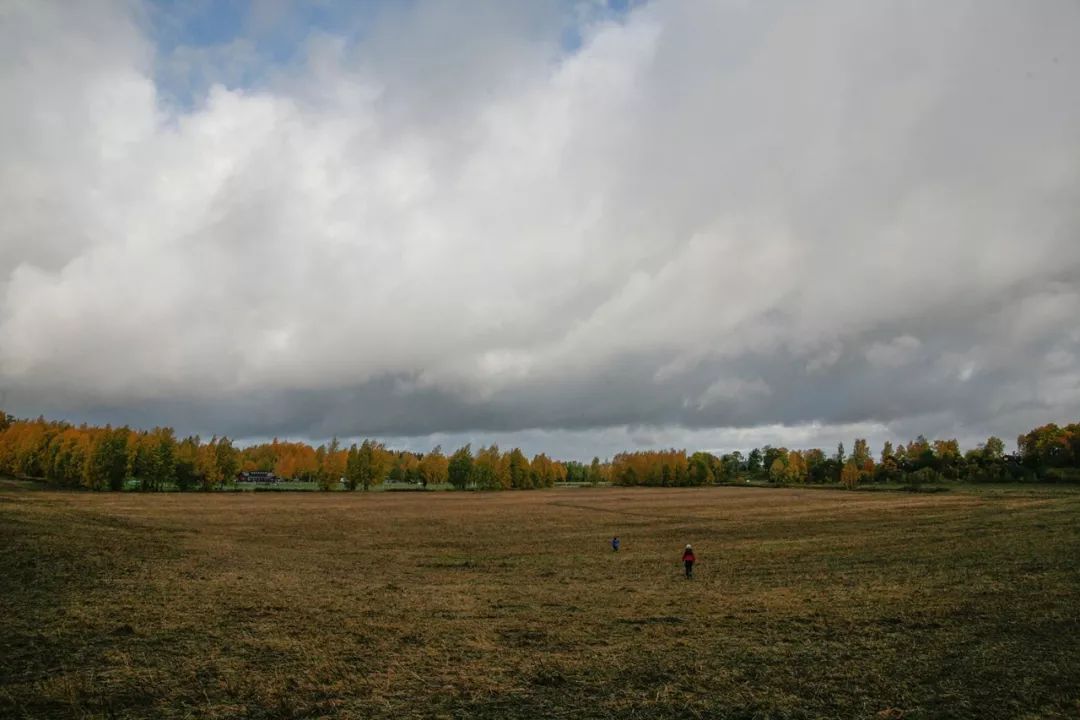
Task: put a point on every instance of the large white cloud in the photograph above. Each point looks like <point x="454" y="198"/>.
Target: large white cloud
<point x="708" y="215"/>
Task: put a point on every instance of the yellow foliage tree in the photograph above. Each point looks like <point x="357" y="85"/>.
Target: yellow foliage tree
<point x="849" y="476"/>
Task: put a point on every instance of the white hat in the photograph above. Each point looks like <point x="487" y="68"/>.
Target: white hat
<point x="687" y="546"/>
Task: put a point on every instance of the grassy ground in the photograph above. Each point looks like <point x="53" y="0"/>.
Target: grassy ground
<point x="807" y="604"/>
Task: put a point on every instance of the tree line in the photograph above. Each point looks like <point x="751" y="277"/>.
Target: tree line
<point x="1047" y="453"/>
<point x="107" y="458"/>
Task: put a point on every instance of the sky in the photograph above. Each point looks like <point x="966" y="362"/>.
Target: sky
<point x="577" y="227"/>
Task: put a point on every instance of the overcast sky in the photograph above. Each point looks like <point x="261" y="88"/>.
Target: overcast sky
<point x="572" y="226"/>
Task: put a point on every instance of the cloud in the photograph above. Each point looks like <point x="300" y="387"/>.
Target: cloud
<point x="732" y="390"/>
<point x="895" y="353"/>
<point x="403" y="230"/>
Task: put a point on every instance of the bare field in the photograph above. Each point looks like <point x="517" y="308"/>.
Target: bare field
<point x="807" y="604"/>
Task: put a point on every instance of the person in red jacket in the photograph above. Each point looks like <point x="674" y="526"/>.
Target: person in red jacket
<point x="688" y="561"/>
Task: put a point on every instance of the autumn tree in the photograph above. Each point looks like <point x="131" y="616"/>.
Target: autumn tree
<point x="888" y="470"/>
<point x="519" y="469"/>
<point x="993" y="449"/>
<point x="947" y="458"/>
<point x="596" y="474"/>
<point x="485" y="469"/>
<point x="459" y="469"/>
<point x="818" y="467"/>
<point x="352" y="468"/>
<point x="151" y="459"/>
<point x="778" y="470"/>
<point x="849" y="475"/>
<point x="372" y="462"/>
<point x="107" y="464"/>
<point x="288" y="460"/>
<point x="206" y="466"/>
<point x="704" y="469"/>
<point x="405" y="468"/>
<point x="863" y="459"/>
<point x="434" y="467"/>
<point x="330" y="464"/>
<point x="187" y="462"/>
<point x="919" y="454"/>
<point x="67" y="457"/>
<point x="769" y="455"/>
<point x="796" y="467"/>
<point x="227" y="458"/>
<point x="901" y="456"/>
<point x="664" y="468"/>
<point x="860" y="452"/>
<point x="732" y="464"/>
<point x="543" y="471"/>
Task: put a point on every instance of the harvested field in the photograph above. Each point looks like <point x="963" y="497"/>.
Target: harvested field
<point x="807" y="604"/>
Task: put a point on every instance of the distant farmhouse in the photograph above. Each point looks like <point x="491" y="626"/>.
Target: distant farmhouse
<point x="257" y="476"/>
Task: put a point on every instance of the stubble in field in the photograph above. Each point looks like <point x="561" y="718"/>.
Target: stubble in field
<point x="805" y="604"/>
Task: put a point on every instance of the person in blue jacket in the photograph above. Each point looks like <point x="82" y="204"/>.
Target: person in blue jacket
<point x="615" y="543"/>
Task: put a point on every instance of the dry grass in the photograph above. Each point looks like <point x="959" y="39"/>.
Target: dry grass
<point x="807" y="604"/>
